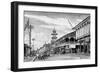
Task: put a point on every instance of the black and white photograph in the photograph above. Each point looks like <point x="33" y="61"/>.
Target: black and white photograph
<point x="53" y="36"/>
<point x="56" y="36"/>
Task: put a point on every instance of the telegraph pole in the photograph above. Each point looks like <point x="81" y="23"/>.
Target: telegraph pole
<point x="30" y="35"/>
<point x="30" y="30"/>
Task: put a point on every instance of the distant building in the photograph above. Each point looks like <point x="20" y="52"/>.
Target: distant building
<point x="44" y="50"/>
<point x="54" y="36"/>
<point x="53" y="40"/>
<point x="27" y="50"/>
<point x="83" y="35"/>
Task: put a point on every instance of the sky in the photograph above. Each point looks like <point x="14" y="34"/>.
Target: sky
<point x="44" y="22"/>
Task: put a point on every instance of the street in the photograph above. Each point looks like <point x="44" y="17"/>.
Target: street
<point x="60" y="57"/>
<point x="66" y="57"/>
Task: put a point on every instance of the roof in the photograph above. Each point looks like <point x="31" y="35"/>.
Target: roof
<point x="67" y="35"/>
<point x="81" y="22"/>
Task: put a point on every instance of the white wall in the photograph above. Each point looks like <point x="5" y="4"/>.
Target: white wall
<point x="5" y="36"/>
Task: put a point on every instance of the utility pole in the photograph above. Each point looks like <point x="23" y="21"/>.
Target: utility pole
<point x="30" y="35"/>
<point x="30" y="30"/>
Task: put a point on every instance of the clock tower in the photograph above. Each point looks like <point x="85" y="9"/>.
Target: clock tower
<point x="54" y="36"/>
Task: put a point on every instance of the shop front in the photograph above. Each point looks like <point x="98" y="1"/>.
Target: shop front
<point x="84" y="45"/>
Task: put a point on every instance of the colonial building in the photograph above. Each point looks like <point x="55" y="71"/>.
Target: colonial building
<point x="68" y="38"/>
<point x="65" y="43"/>
<point x="83" y="35"/>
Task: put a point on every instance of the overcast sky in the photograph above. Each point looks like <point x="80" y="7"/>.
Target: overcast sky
<point x="44" y="23"/>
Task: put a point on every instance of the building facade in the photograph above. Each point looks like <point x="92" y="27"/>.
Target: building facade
<point x="65" y="44"/>
<point x="83" y="35"/>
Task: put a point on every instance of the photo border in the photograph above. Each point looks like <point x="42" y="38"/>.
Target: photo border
<point x="14" y="35"/>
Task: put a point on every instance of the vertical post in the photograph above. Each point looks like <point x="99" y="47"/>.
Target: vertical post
<point x="84" y="46"/>
<point x="30" y="35"/>
<point x="80" y="47"/>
